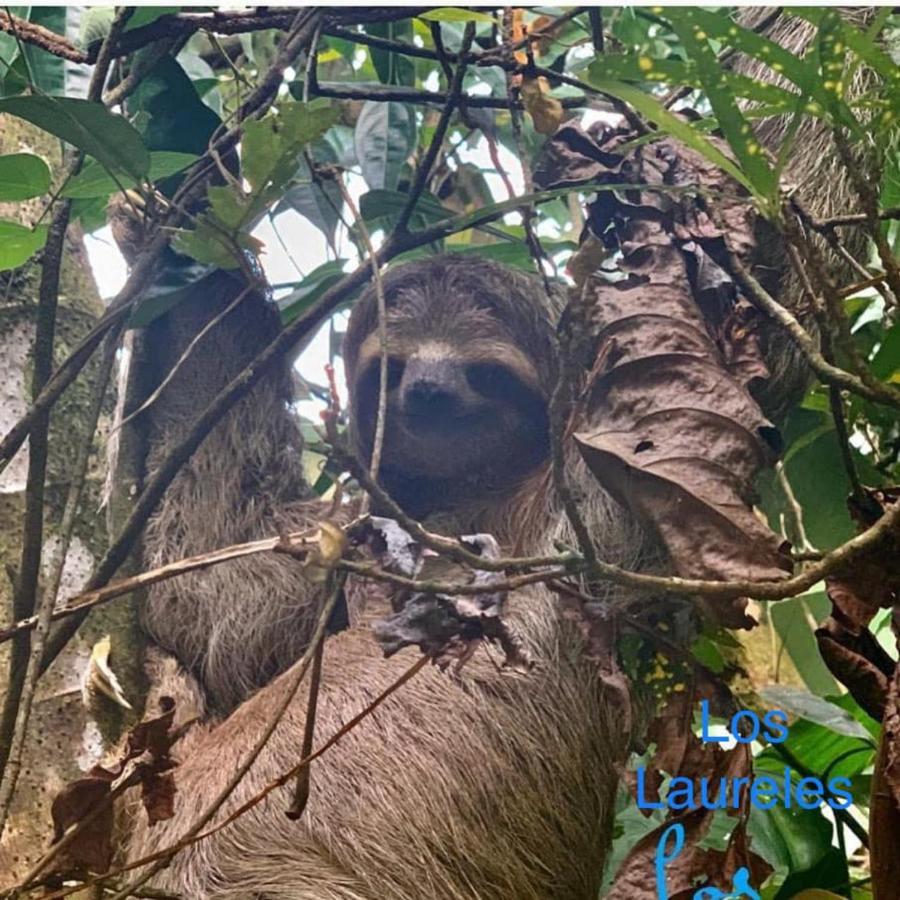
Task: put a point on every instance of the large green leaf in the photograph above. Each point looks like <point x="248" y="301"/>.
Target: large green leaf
<point x="813" y="709"/>
<point x="95" y="181"/>
<point x="18" y="243"/>
<point x="22" y="176"/>
<point x="310" y="289"/>
<point x="170" y="113"/>
<point x="794" y="621"/>
<point x="790" y="840"/>
<point x="735" y="128"/>
<point x="53" y="75"/>
<point x="385" y="136"/>
<point x="90" y="127"/>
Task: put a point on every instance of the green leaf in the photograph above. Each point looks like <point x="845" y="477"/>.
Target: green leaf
<point x="18" y="243"/>
<point x="735" y="128"/>
<point x="91" y="212"/>
<point x="384" y="137"/>
<point x="310" y="289"/>
<point x="108" y="137"/>
<point x="652" y="109"/>
<point x="393" y="68"/>
<point x="22" y="176"/>
<point x="271" y="150"/>
<point x="172" y="114"/>
<point x="271" y="147"/>
<point x="455" y="14"/>
<point x="208" y="245"/>
<point x="861" y="43"/>
<point x="819" y="750"/>
<point x="790" y="840"/>
<point x="52" y="75"/>
<point x="379" y="204"/>
<point x="886" y="362"/>
<point x="319" y="202"/>
<point x="95" y="181"/>
<point x="144" y="15"/>
<point x="802" y="71"/>
<point x="95" y="24"/>
<point x="826" y="880"/>
<point x="173" y="282"/>
<point x="813" y="709"/>
<point x="794" y="622"/>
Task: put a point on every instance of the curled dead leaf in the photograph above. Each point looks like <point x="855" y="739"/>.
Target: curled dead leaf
<point x="545" y="110"/>
<point x="86" y="803"/>
<point x="669" y="426"/>
<point x="329" y="545"/>
<point x="99" y="678"/>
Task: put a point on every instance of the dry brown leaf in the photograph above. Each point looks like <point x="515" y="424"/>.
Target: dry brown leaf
<point x="545" y="110"/>
<point x="857" y="661"/>
<point x="145" y="761"/>
<point x="670" y="427"/>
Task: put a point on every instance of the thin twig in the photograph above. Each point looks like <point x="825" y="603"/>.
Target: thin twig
<point x="381" y="416"/>
<point x="212" y="323"/>
<point x="853" y="219"/>
<point x="391" y="94"/>
<point x="304" y="776"/>
<point x="423" y="171"/>
<point x="828" y="373"/>
<point x="98" y="596"/>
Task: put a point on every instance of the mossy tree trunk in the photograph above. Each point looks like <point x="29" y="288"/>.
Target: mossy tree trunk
<point x="64" y="739"/>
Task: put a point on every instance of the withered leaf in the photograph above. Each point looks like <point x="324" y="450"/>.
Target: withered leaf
<point x="145" y="760"/>
<point x="545" y="110"/>
<point x="859" y="662"/>
<point x="91" y="850"/>
<point x="671" y="428"/>
<point x="857" y="591"/>
<point x="445" y="627"/>
<point x="680" y="752"/>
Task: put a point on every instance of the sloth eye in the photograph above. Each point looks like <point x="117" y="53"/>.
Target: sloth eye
<point x="492" y="381"/>
<point x="395" y="369"/>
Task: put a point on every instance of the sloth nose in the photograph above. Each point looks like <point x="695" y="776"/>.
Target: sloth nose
<point x="432" y="388"/>
<point x="429" y="398"/>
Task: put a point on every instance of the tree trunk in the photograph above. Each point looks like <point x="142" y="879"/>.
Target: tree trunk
<point x="63" y="739"/>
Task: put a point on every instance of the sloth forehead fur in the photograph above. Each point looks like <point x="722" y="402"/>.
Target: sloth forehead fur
<point x="467" y="304"/>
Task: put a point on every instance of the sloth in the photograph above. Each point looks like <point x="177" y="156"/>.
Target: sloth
<point x="494" y="784"/>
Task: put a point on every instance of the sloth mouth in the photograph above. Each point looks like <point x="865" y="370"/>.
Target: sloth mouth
<point x="443" y="423"/>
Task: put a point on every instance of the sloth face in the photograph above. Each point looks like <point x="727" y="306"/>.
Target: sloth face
<point x="466" y="402"/>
